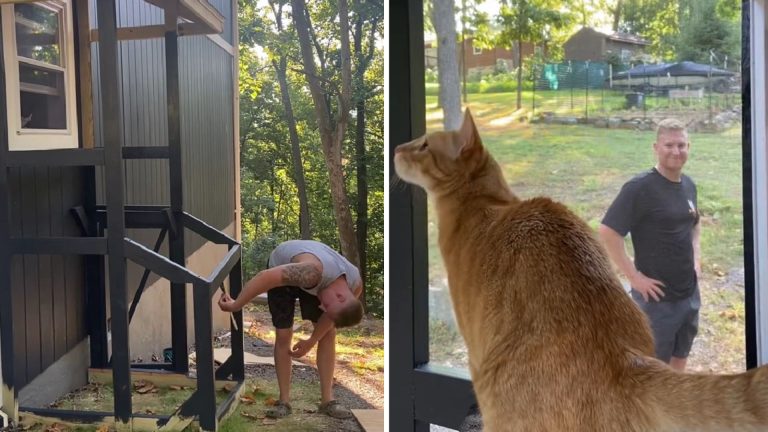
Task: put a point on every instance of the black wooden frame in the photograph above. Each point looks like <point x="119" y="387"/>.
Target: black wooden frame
<point x="422" y="394"/>
<point x="750" y="294"/>
<point x="104" y="239"/>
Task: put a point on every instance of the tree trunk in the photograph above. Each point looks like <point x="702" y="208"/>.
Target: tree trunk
<point x="444" y="21"/>
<point x="281" y="66"/>
<point x="330" y="136"/>
<point x="617" y="15"/>
<point x="362" y="166"/>
<point x="519" y="73"/>
<point x="305" y="225"/>
<point x="362" y="193"/>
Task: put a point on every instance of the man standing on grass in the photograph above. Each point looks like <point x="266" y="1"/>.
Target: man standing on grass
<point x="658" y="208"/>
<point x="327" y="286"/>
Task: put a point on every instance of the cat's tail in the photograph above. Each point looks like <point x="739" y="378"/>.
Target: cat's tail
<point x="699" y="402"/>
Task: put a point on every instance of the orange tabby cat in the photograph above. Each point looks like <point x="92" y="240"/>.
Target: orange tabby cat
<point x="554" y="342"/>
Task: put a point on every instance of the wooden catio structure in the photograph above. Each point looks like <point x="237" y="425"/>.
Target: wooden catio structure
<point x="118" y="121"/>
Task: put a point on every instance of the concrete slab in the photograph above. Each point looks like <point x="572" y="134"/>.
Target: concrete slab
<point x="371" y="420"/>
<point x="220" y="355"/>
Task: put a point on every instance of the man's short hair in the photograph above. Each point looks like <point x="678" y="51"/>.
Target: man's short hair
<point x="670" y="124"/>
<point x="351" y="315"/>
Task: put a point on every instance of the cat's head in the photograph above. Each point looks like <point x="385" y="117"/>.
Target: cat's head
<point x="441" y="159"/>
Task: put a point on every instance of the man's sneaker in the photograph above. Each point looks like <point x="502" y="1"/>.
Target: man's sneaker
<point x="335" y="409"/>
<point x="279" y="410"/>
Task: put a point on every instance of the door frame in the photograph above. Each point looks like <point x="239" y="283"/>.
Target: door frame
<point x="421" y="394"/>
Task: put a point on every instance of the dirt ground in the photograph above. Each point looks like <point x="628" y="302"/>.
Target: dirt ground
<point x="356" y="348"/>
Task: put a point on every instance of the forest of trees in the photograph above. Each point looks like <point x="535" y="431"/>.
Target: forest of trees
<point x="702" y="31"/>
<point x="312" y="131"/>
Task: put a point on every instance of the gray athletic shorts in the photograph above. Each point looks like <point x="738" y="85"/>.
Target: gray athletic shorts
<point x="674" y="324"/>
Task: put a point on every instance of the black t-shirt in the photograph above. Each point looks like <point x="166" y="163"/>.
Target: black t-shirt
<point x="660" y="215"/>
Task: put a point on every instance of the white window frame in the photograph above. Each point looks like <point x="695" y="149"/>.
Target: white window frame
<point x="759" y="66"/>
<point x="625" y="54"/>
<point x="40" y="139"/>
<point x="476" y="50"/>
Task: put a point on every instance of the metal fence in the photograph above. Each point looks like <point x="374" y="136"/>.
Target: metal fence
<point x="585" y="89"/>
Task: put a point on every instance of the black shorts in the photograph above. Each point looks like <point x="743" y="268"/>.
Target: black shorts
<point x="674" y="324"/>
<point x="282" y="306"/>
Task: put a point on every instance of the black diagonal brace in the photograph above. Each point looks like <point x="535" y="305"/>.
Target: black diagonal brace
<point x="145" y="277"/>
<point x="159" y="264"/>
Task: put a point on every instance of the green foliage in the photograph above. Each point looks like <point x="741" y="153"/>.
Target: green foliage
<point x="528" y="21"/>
<point x="685" y="29"/>
<point x="270" y="205"/>
<point x="654" y="20"/>
<point x="703" y="31"/>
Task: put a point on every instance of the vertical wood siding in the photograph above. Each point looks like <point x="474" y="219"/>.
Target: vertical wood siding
<point x="207" y="131"/>
<point x="49" y="289"/>
<point x="206" y="90"/>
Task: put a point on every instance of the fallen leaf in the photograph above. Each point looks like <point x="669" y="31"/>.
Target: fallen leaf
<point x="249" y="415"/>
<point x="270" y="401"/>
<point x="175" y="387"/>
<point x="149" y="411"/>
<point x="247" y="400"/>
<point x="269" y="421"/>
<point x="103" y="428"/>
<point x="146" y="389"/>
<point x="228" y="387"/>
<point x="54" y="428"/>
<point x="310" y="411"/>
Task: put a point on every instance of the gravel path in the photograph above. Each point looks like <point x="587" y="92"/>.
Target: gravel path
<point x="350" y="388"/>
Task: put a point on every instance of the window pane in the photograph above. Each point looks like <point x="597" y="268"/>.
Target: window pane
<point x="42" y="98"/>
<point x="576" y="130"/>
<point x="37" y="34"/>
<point x="446" y="346"/>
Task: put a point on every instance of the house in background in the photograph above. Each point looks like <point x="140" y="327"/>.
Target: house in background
<point x="593" y="45"/>
<point x="119" y="187"/>
<point x="477" y="60"/>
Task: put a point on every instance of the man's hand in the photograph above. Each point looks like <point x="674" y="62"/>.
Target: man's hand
<point x="227" y="304"/>
<point x="647" y="287"/>
<point x="302" y="347"/>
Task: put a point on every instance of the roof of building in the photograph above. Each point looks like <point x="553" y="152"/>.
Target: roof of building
<point x="619" y="36"/>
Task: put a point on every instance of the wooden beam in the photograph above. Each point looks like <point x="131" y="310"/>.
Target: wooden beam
<point x="86" y="419"/>
<point x="201" y="11"/>
<point x="83" y="26"/>
<point x="198" y="12"/>
<point x="28" y="420"/>
<point x="236" y="118"/>
<point x="134" y="33"/>
<point x="230" y="404"/>
<point x="159" y="379"/>
<point x="192" y="28"/>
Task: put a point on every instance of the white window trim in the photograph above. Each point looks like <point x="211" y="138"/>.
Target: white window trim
<point x="758" y="69"/>
<point x="476" y="50"/>
<point x="39" y="139"/>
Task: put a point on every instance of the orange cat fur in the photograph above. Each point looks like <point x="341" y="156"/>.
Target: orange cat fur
<point x="554" y="342"/>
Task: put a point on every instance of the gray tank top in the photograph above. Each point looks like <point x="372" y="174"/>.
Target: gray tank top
<point x="334" y="264"/>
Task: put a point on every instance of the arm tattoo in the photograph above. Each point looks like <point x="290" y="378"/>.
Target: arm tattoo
<point x="302" y="275"/>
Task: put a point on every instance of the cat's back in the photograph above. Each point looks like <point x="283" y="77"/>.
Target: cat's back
<point x="544" y="261"/>
<point x="542" y="226"/>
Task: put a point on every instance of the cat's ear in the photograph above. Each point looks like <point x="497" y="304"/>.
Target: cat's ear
<point x="468" y="136"/>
